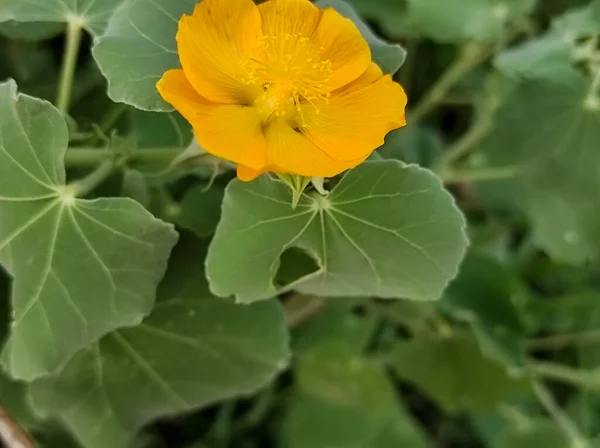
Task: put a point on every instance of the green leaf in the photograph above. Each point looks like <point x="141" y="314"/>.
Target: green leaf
<point x="92" y="15"/>
<point x="14" y="401"/>
<point x="550" y="55"/>
<point x="390" y="15"/>
<point x="335" y="322"/>
<point x="192" y="351"/>
<point x="138" y="48"/>
<point x="464" y="19"/>
<point x="386" y="229"/>
<point x="389" y="57"/>
<point x="81" y="268"/>
<point x="134" y="186"/>
<point x="200" y="210"/>
<point x="548" y="132"/>
<point x="160" y="130"/>
<point x="575" y="312"/>
<point x="537" y="433"/>
<point x="453" y="371"/>
<point x="482" y="295"/>
<point x="345" y="401"/>
<point x="30" y="31"/>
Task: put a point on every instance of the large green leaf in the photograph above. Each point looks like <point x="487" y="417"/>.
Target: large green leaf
<point x="464" y="19"/>
<point x="550" y="134"/>
<point x="81" y="268"/>
<point x="550" y="54"/>
<point x="30" y="31"/>
<point x="346" y="401"/>
<point x="193" y="350"/>
<point x="482" y="295"/>
<point x="536" y="433"/>
<point x="335" y="322"/>
<point x="386" y="229"/>
<point x="454" y="372"/>
<point x="93" y="15"/>
<point x="139" y="47"/>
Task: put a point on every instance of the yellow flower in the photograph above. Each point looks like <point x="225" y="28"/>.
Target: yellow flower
<point x="283" y="86"/>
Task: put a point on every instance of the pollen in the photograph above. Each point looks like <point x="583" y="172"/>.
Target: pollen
<point x="291" y="72"/>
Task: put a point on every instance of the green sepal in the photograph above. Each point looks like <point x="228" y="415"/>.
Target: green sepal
<point x="297" y="184"/>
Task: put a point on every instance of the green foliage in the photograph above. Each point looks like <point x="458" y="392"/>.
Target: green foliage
<point x="192" y="350"/>
<point x="410" y="252"/>
<point x="81" y="268"/>
<point x="347" y="401"/>
<point x="92" y="15"/>
<point x="469" y="380"/>
<point x="149" y="299"/>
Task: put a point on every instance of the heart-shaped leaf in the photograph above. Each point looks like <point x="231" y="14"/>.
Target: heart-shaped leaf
<point x="386" y="229"/>
<point x="193" y="350"/>
<point x="81" y="268"/>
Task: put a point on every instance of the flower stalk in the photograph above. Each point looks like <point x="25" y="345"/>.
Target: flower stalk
<point x="69" y="64"/>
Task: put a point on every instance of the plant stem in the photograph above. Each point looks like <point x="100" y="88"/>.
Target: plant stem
<point x="479" y="175"/>
<point x="467" y="142"/>
<point x="558" y="341"/>
<point x="563" y="421"/>
<point x="222" y="427"/>
<point x="84" y="186"/>
<point x="470" y="56"/>
<point x="593" y="98"/>
<point x="95" y="156"/>
<point x="300" y="309"/>
<point x="515" y="416"/>
<point x="11" y="435"/>
<point x="69" y="64"/>
<point x="588" y="379"/>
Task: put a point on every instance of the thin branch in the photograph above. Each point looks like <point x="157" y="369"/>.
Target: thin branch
<point x="300" y="309"/>
<point x="570" y="429"/>
<point x="471" y="55"/>
<point x="588" y="379"/>
<point x="558" y="341"/>
<point x="11" y="434"/>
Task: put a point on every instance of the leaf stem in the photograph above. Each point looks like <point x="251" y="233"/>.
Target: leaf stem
<point x="479" y="175"/>
<point x="578" y="440"/>
<point x="11" y="435"/>
<point x="95" y="156"/>
<point x="558" y="341"/>
<point x="588" y="379"/>
<point x="470" y="56"/>
<point x="484" y="123"/>
<point x="592" y="101"/>
<point x="515" y="416"/>
<point x="69" y="64"/>
<point x="222" y="426"/>
<point x="87" y="184"/>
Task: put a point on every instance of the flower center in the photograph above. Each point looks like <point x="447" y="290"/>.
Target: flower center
<point x="291" y="71"/>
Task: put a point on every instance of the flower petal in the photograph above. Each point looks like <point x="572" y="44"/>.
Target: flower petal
<point x="246" y="174"/>
<point x="227" y="131"/>
<point x="291" y="152"/>
<point x="213" y="44"/>
<point x="281" y="17"/>
<point x="344" y="46"/>
<point x="355" y="120"/>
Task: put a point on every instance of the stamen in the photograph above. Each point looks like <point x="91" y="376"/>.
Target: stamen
<point x="292" y="72"/>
